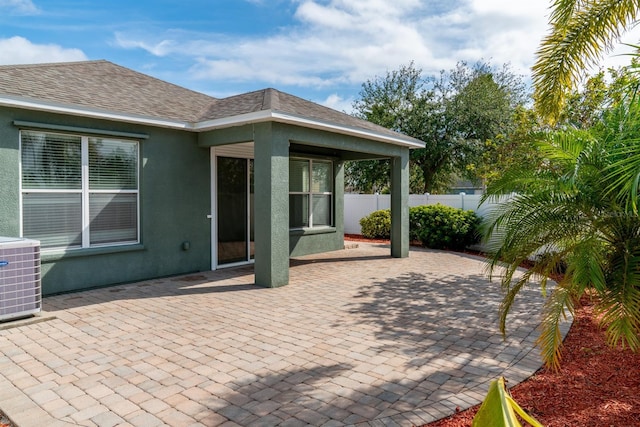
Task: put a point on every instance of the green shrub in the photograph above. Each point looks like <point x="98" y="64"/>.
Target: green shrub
<point x="435" y="226"/>
<point x="377" y="225"/>
<point x="443" y="227"/>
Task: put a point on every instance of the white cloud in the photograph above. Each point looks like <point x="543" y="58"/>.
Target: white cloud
<point x="500" y="31"/>
<point x="161" y="48"/>
<point x="336" y="43"/>
<point x="512" y="31"/>
<point x="19" y="7"/>
<point x="18" y="50"/>
<point x="339" y="103"/>
<point x="346" y="42"/>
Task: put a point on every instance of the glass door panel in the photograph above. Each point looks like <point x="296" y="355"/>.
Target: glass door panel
<point x="232" y="204"/>
<point x="251" y="215"/>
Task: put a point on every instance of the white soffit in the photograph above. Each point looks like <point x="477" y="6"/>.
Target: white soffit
<point x="52" y="107"/>
<point x="241" y="119"/>
<point x="270" y="115"/>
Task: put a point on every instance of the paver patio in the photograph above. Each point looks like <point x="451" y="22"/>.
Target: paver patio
<point x="356" y="338"/>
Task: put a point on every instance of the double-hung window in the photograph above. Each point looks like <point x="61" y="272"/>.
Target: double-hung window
<point x="79" y="191"/>
<point x="310" y="193"/>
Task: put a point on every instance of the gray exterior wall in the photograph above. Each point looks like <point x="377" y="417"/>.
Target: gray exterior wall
<point x="174" y="202"/>
<point x="175" y="199"/>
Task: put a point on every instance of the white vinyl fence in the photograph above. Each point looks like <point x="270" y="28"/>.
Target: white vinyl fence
<point x="358" y="206"/>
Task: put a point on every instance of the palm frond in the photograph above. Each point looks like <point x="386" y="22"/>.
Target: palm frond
<point x="566" y="146"/>
<point x="621" y="319"/>
<point x="620" y="301"/>
<point x="561" y="301"/>
<point x="562" y="151"/>
<point x="563" y="10"/>
<point x="528" y="228"/>
<point x="512" y="289"/>
<point x="564" y="215"/>
<point x="624" y="175"/>
<point x="581" y="31"/>
<point x="586" y="263"/>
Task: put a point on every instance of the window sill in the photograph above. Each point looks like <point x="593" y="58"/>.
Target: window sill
<point x="311" y="231"/>
<point x="74" y="253"/>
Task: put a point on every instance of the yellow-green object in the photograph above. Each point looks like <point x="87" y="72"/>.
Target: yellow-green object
<point x="499" y="409"/>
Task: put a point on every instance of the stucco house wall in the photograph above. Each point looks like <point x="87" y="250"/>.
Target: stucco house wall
<point x="178" y="132"/>
<point x="174" y="204"/>
<point x="175" y="200"/>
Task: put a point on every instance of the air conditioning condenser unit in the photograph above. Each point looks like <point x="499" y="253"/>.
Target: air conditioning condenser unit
<point x="20" y="288"/>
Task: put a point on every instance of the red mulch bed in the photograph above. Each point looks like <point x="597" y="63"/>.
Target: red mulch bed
<point x="359" y="238"/>
<point x="596" y="386"/>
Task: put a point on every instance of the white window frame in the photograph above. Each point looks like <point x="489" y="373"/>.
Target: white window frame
<point x="311" y="193"/>
<point x="85" y="191"/>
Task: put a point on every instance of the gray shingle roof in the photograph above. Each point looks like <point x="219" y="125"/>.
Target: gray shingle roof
<point x="272" y="99"/>
<point x="102" y="85"/>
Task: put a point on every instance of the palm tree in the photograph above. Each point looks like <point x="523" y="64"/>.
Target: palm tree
<point x="564" y="216"/>
<point x="581" y="31"/>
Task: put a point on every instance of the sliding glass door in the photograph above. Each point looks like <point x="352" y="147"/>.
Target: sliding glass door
<point x="234" y="202"/>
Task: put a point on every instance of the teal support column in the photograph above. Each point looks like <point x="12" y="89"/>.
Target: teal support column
<point x="400" y="205"/>
<point x="271" y="172"/>
<point x="339" y="198"/>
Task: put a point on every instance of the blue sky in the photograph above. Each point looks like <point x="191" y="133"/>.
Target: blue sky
<point x="321" y="50"/>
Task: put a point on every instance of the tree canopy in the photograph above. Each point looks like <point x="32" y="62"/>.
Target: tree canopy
<point x="454" y="113"/>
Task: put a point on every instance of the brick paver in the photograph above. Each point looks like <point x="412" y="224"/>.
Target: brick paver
<point x="356" y="338"/>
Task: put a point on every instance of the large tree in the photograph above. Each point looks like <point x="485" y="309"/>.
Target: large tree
<point x="455" y="113"/>
<point x="580" y="33"/>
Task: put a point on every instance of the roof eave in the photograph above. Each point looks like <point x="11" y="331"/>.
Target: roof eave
<point x="238" y="120"/>
<point x="52" y="107"/>
<point x="280" y="117"/>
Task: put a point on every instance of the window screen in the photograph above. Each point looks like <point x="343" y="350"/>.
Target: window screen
<point x="79" y="191"/>
<point x="310" y="193"/>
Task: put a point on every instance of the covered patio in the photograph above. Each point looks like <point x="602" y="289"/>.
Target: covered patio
<point x="357" y="338"/>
